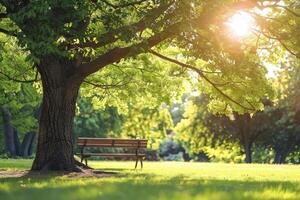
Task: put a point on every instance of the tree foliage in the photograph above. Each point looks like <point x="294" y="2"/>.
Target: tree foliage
<point x="89" y="31"/>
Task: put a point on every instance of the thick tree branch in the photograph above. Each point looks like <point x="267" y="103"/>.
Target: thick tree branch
<point x="112" y="36"/>
<point x="6" y="32"/>
<point x="116" y="54"/>
<point x="201" y="74"/>
<point x="107" y="86"/>
<point x="123" y="5"/>
<point x="145" y="22"/>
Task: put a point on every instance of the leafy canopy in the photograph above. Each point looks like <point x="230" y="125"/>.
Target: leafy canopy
<point x="112" y="38"/>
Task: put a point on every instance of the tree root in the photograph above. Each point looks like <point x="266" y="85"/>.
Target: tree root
<point x="81" y="165"/>
<point x="50" y="166"/>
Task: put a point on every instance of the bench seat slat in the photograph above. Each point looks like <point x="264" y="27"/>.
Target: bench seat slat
<point x="112" y="154"/>
<point x="112" y="145"/>
<point x="110" y="139"/>
<point x="115" y="145"/>
<point x="111" y="142"/>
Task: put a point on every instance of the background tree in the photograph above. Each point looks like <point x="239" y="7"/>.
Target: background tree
<point x="92" y="122"/>
<point x="282" y="134"/>
<point x="200" y="130"/>
<point x="150" y="123"/>
<point x="18" y="100"/>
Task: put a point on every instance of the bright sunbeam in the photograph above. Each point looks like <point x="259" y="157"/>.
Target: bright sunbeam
<point x="240" y="24"/>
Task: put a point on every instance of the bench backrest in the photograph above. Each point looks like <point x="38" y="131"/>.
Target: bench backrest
<point x="111" y="142"/>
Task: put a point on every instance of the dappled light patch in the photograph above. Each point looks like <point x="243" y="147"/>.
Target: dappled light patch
<point x="10" y="174"/>
<point x="29" y="174"/>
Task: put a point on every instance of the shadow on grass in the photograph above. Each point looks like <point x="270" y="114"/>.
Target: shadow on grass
<point x="115" y="169"/>
<point x="145" y="187"/>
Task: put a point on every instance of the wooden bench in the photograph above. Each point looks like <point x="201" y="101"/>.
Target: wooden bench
<point x="135" y="144"/>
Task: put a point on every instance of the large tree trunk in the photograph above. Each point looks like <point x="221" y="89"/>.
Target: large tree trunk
<point x="55" y="145"/>
<point x="8" y="132"/>
<point x="248" y="152"/>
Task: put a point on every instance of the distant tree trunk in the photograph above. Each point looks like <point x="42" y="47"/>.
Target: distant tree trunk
<point x="27" y="144"/>
<point x="248" y="152"/>
<point x="55" y="144"/>
<point x="17" y="143"/>
<point x="8" y="132"/>
<point x="280" y="157"/>
<point x="12" y="140"/>
<point x="243" y="124"/>
<point x="32" y="142"/>
<point x="277" y="158"/>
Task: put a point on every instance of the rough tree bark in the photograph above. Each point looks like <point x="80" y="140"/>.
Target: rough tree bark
<point x="8" y="132"/>
<point x="55" y="145"/>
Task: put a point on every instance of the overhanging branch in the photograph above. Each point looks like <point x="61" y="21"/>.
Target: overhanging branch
<point x="107" y="86"/>
<point x="280" y="40"/>
<point x="10" y="33"/>
<point x="8" y="77"/>
<point x="123" y="5"/>
<point x="112" y="36"/>
<point x="116" y="54"/>
<point x="202" y="75"/>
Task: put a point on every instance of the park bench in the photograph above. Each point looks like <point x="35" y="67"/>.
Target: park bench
<point x="137" y="145"/>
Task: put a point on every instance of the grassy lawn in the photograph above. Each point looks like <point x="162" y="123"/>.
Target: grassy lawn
<point x="157" y="181"/>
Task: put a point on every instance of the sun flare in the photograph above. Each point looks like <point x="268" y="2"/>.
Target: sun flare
<point x="240" y="24"/>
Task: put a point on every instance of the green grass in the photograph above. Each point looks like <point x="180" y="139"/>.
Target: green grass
<point x="158" y="181"/>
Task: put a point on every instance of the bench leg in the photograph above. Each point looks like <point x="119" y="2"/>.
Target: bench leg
<point x="141" y="159"/>
<point x="81" y="160"/>
<point x="136" y="162"/>
<point x="86" y="162"/>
